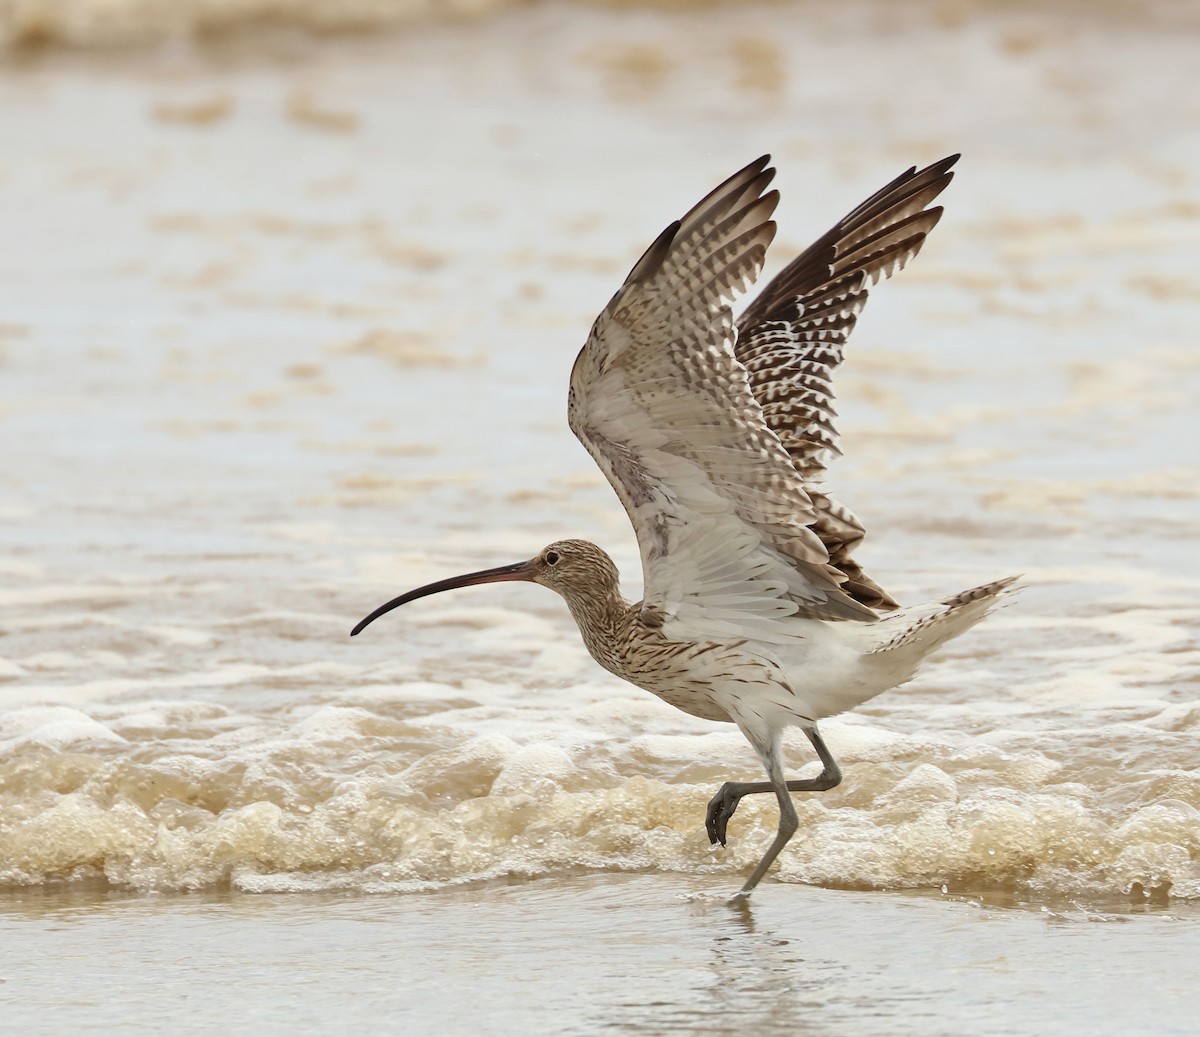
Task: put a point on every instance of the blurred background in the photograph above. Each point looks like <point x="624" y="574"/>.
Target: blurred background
<point x="289" y="295"/>
<point x="271" y="268"/>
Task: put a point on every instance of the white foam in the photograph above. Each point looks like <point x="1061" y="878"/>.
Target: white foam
<point x="53" y="726"/>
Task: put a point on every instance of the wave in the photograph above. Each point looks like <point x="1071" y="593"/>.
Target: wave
<point x="369" y="797"/>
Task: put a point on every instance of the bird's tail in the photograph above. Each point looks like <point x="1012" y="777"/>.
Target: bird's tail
<point x="917" y="631"/>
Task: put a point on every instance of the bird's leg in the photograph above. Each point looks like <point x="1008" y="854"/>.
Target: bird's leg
<point x="725" y="802"/>
<point x="772" y="759"/>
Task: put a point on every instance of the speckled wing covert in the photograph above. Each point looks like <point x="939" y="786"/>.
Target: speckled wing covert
<point x="660" y="401"/>
<point x="790" y="339"/>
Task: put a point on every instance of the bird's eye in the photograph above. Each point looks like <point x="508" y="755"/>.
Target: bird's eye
<point x="552" y="558"/>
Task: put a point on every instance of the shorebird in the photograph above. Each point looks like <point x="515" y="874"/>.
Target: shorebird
<point x="715" y="435"/>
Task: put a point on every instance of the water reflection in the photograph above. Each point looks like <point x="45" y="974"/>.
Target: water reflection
<point x="755" y="977"/>
<point x="595" y="953"/>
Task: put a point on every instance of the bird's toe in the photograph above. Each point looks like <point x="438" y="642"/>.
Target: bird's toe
<point x="720" y="810"/>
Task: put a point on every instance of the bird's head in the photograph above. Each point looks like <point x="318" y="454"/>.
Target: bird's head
<point x="570" y="567"/>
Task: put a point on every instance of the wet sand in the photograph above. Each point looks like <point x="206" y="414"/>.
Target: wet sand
<point x="629" y="954"/>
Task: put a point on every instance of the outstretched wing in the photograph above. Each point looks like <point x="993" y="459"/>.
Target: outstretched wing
<point x="790" y="340"/>
<point x="660" y="401"/>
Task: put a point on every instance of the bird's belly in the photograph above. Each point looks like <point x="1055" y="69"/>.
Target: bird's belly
<point x="669" y="677"/>
<point x="692" y="700"/>
<point x="712" y="681"/>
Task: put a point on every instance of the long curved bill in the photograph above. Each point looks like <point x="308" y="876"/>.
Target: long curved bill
<point x="503" y="574"/>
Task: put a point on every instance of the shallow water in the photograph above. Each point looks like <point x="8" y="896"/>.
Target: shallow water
<point x="281" y="338"/>
<point x="628" y="954"/>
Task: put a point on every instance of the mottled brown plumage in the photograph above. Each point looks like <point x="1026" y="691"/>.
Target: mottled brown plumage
<point x="715" y="437"/>
<point x="791" y="337"/>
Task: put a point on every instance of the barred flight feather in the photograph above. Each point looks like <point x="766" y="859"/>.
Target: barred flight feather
<point x="791" y="339"/>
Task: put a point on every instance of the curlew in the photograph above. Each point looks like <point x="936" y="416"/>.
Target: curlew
<point x="715" y="435"/>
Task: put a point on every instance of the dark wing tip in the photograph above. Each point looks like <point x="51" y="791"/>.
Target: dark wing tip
<point x="942" y="168"/>
<point x="935" y="169"/>
<point x="767" y="205"/>
<point x="912" y="189"/>
<point x="652" y="259"/>
<point x="747" y="183"/>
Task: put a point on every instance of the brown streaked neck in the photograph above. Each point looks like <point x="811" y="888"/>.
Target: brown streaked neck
<point x="600" y="612"/>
